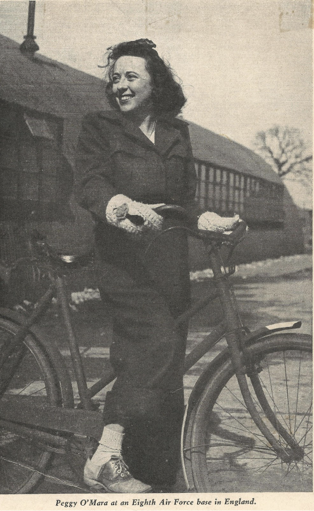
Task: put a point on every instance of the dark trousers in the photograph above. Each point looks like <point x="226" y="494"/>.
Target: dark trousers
<point x="147" y="354"/>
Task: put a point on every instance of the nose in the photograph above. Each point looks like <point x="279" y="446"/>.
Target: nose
<point x="122" y="85"/>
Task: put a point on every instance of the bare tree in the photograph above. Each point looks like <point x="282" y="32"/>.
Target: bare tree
<point x="285" y="150"/>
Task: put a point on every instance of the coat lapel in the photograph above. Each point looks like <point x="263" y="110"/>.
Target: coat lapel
<point x="166" y="136"/>
<point x="128" y="127"/>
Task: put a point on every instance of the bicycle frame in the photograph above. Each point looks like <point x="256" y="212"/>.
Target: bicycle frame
<point x="235" y="339"/>
<point x="87" y="422"/>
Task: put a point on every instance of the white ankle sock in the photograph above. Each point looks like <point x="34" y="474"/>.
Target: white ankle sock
<point x="110" y="444"/>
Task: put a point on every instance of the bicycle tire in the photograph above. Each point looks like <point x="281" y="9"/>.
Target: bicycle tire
<point x="34" y="375"/>
<point x="227" y="451"/>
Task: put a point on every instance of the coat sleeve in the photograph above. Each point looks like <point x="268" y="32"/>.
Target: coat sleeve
<point x="94" y="180"/>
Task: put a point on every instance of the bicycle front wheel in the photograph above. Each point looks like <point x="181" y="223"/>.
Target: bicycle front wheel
<point x="228" y="451"/>
<point x="22" y="461"/>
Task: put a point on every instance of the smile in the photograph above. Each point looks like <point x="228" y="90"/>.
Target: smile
<point x="125" y="98"/>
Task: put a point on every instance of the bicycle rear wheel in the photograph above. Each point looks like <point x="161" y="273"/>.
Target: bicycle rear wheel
<point x="22" y="460"/>
<point x="228" y="452"/>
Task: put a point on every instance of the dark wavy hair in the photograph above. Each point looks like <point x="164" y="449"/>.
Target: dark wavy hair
<point x="167" y="95"/>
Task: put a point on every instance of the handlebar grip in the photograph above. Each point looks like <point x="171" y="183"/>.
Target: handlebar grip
<point x="165" y="208"/>
<point x="230" y="237"/>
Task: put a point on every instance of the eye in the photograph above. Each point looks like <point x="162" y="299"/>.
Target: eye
<point x="131" y="76"/>
<point x="115" y="78"/>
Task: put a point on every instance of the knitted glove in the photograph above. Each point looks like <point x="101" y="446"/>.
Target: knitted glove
<point x="120" y="210"/>
<point x="210" y="221"/>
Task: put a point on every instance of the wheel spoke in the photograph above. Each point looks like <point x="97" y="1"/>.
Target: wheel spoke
<point x="225" y="447"/>
<point x="22" y="461"/>
<point x="258" y="435"/>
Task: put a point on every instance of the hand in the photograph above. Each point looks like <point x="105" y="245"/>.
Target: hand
<point x="152" y="221"/>
<point x="210" y="221"/>
<point x="120" y="210"/>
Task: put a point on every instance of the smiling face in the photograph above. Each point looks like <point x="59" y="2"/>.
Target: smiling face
<point x="131" y="85"/>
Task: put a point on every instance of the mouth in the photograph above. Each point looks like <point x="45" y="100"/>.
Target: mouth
<point x="125" y="98"/>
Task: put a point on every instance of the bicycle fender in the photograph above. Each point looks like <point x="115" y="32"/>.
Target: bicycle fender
<point x="51" y="350"/>
<point x="270" y="329"/>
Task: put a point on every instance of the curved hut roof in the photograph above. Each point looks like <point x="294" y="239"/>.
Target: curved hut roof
<point x="47" y="86"/>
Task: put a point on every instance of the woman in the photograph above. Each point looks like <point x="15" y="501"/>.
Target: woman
<point x="130" y="159"/>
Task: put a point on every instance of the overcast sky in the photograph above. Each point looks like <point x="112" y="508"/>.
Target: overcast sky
<point x="245" y="64"/>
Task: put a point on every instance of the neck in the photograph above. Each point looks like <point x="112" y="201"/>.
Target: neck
<point x="141" y="118"/>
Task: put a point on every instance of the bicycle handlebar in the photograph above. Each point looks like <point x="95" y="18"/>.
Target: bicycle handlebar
<point x="230" y="237"/>
<point x="172" y="209"/>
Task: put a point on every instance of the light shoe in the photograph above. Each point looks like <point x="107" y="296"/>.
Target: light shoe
<point x="113" y="477"/>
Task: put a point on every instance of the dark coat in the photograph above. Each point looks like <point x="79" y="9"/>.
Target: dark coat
<point x="114" y="157"/>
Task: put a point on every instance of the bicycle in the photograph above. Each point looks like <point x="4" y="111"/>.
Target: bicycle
<point x="249" y="416"/>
